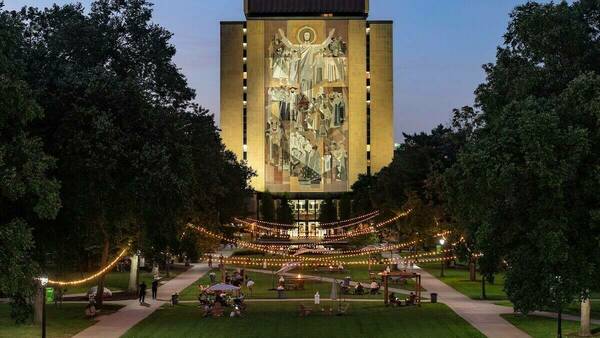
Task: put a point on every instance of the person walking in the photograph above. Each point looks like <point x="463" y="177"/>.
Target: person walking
<point x="142" y="292"/>
<point x="154" y="288"/>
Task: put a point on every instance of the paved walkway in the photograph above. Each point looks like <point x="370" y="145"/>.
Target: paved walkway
<point x="483" y="316"/>
<point x="116" y="324"/>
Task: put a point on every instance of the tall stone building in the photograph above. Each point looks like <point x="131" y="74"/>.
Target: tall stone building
<point x="307" y="97"/>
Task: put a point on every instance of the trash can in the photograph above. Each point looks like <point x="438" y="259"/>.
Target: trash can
<point x="433" y="296"/>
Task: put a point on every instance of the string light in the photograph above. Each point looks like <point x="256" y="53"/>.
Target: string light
<point x="94" y="276"/>
<point x="362" y="218"/>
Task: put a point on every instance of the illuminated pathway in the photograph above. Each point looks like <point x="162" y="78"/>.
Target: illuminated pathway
<point x="116" y="324"/>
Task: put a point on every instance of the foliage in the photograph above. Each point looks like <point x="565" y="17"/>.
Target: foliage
<point x="526" y="184"/>
<point x="327" y="211"/>
<point x="267" y="206"/>
<point x="136" y="158"/>
<point x="346" y="206"/>
<point x="285" y="214"/>
<point x="27" y="194"/>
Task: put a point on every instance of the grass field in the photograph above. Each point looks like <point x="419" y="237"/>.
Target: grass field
<point x="264" y="284"/>
<point x="280" y="319"/>
<point x="61" y="322"/>
<point x="115" y="281"/>
<point x="458" y="278"/>
<point x="572" y="309"/>
<point x="540" y="327"/>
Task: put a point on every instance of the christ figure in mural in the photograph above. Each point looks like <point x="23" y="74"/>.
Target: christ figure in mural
<point x="305" y="53"/>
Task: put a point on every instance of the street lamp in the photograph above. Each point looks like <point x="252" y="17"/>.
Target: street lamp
<point x="43" y="283"/>
<point x="442" y="242"/>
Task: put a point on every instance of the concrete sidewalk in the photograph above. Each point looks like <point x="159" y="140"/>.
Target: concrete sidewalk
<point x="483" y="316"/>
<point x="116" y="324"/>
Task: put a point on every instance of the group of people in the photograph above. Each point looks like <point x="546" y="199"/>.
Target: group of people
<point x="359" y="288"/>
<point x="142" y="290"/>
<point x="410" y="300"/>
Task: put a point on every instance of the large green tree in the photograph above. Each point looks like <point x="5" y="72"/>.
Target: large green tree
<point x="137" y="159"/>
<point x="527" y="182"/>
<point x="27" y="194"/>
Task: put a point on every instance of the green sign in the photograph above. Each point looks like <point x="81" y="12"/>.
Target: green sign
<point x="49" y="295"/>
<point x="438" y="248"/>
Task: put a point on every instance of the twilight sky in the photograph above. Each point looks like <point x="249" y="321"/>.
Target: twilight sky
<point x="439" y="47"/>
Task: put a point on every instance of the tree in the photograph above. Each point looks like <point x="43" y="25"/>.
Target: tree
<point x="267" y="206"/>
<point x="528" y="180"/>
<point x="346" y="206"/>
<point x="328" y="211"/>
<point x="285" y="214"/>
<point x="137" y="159"/>
<point x="27" y="193"/>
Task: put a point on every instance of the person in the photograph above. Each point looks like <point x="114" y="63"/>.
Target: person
<point x="280" y="290"/>
<point x="154" y="288"/>
<point x="142" y="292"/>
<point x="359" y="289"/>
<point x="412" y="298"/>
<point x="374" y="287"/>
<point x="392" y="299"/>
<point x="281" y="280"/>
<point x="250" y="284"/>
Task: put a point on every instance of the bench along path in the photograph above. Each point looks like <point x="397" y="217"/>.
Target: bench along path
<point x="116" y="324"/>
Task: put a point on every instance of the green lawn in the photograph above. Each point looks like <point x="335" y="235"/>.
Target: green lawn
<point x="280" y="319"/>
<point x="264" y="284"/>
<point x="458" y="278"/>
<point x="115" y="281"/>
<point x="572" y="309"/>
<point x="61" y="322"/>
<point x="540" y="327"/>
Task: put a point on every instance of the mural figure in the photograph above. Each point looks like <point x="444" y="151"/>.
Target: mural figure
<point x="306" y="100"/>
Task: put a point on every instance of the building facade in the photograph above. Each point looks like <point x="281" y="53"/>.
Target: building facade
<point x="307" y="95"/>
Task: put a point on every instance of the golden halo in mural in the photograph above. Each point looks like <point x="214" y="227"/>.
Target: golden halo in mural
<point x="307" y="34"/>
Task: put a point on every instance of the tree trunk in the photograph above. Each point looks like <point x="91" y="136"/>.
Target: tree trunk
<point x="133" y="274"/>
<point x="483" y="295"/>
<point x="38" y="304"/>
<point x="103" y="262"/>
<point x="472" y="270"/>
<point x="584" y="328"/>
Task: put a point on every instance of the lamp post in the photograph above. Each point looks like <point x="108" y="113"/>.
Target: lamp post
<point x="442" y="242"/>
<point x="43" y="283"/>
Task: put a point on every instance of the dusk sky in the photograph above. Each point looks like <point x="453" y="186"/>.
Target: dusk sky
<point x="439" y="47"/>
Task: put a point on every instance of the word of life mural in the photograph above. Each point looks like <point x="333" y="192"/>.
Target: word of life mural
<point x="306" y="111"/>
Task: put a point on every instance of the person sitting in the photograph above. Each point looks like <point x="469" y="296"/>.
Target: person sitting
<point x="203" y="298"/>
<point x="359" y="289"/>
<point x="374" y="287"/>
<point x="280" y="290"/>
<point x="412" y="299"/>
<point x="393" y="300"/>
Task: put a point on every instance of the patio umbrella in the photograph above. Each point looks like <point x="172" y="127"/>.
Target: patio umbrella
<point x="223" y="287"/>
